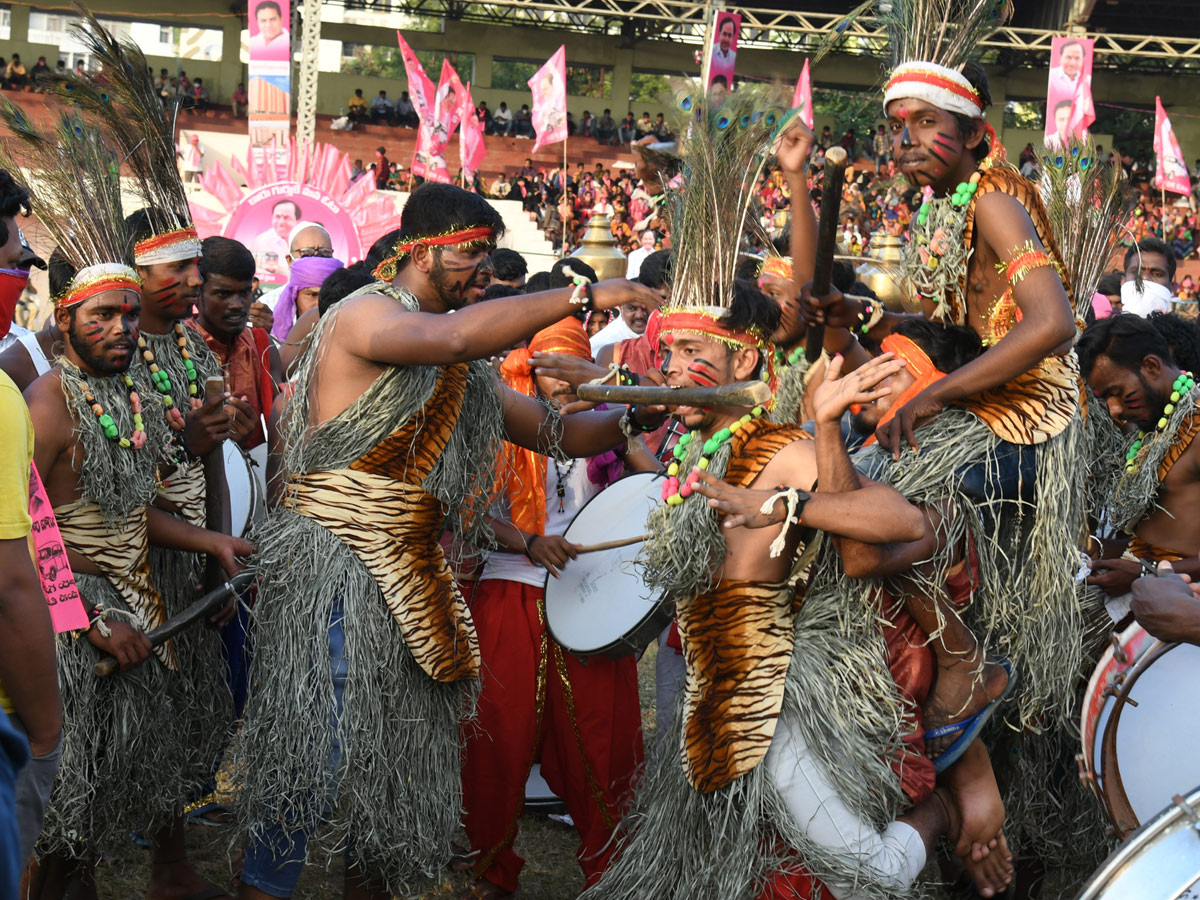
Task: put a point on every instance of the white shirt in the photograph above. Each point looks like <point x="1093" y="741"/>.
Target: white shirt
<point x="579" y="490"/>
<point x="633" y="266"/>
<point x="612" y="333"/>
<point x="15" y="333"/>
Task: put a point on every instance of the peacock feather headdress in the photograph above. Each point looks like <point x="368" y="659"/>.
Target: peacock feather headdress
<point x="75" y="191"/>
<point x="121" y="100"/>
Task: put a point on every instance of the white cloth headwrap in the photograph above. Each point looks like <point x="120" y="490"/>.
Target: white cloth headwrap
<point x="913" y="79"/>
<point x="299" y="227"/>
<point x="186" y="247"/>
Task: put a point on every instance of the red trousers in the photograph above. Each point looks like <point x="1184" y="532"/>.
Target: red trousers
<point x="589" y="758"/>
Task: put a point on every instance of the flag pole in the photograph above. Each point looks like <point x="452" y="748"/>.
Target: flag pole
<point x="563" y="248"/>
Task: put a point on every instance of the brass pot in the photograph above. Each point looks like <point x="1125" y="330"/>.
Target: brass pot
<point x="599" y="250"/>
<point x="885" y="277"/>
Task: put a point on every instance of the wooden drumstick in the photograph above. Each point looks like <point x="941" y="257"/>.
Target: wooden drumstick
<point x="827" y="229"/>
<point x="742" y="393"/>
<point x="611" y="545"/>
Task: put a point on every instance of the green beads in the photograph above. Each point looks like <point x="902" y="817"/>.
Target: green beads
<point x="964" y="192"/>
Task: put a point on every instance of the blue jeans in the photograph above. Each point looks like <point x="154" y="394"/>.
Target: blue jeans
<point x="274" y="862"/>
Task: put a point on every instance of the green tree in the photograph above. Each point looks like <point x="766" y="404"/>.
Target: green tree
<point x="849" y="110"/>
<point x="647" y="87"/>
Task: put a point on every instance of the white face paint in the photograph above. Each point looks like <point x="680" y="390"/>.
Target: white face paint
<point x="1153" y="298"/>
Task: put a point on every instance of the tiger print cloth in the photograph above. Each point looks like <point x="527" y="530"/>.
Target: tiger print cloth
<point x="737" y="646"/>
<point x="378" y="509"/>
<point x="184" y="491"/>
<point x="121" y="555"/>
<point x="1037" y="405"/>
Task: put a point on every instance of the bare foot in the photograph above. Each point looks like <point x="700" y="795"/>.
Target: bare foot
<point x="178" y="880"/>
<point x="993" y="874"/>
<point x="961" y="690"/>
<point x="972" y="783"/>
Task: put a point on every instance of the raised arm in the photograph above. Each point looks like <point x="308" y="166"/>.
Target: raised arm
<point x="792" y="153"/>
<point x="378" y="329"/>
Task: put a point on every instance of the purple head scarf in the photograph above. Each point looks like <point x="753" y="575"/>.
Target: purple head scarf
<point x="306" y="272"/>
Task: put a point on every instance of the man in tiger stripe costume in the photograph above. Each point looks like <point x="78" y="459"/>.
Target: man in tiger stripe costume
<point x="366" y="658"/>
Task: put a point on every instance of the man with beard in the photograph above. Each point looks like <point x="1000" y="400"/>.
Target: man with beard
<point x="1128" y="365"/>
<point x="394" y="434"/>
<point x="586" y="727"/>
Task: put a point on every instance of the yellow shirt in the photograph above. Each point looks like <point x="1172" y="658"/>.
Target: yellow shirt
<point x="15" y="461"/>
<point x="356" y="102"/>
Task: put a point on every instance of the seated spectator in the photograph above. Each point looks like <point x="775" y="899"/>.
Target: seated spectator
<point x="501" y="187"/>
<point x="406" y="113"/>
<point x="502" y="123"/>
<point x="627" y="130"/>
<point x="586" y="124"/>
<point x="80" y="69"/>
<point x="527" y="170"/>
<point x="509" y="267"/>
<point x="160" y="83"/>
<point x="483" y="114"/>
<point x="356" y="107"/>
<point x="606" y="129"/>
<point x="199" y="96"/>
<point x="572" y="127"/>
<point x="357" y="171"/>
<point x="395" y="177"/>
<point x="15" y="76"/>
<point x="644" y="127"/>
<point x="662" y="131"/>
<point x="40" y="73"/>
<point x="524" y="122"/>
<point x="240" y="101"/>
<point x="381" y="109"/>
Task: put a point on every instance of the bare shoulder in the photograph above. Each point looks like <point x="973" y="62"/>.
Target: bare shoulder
<point x="16" y="363"/>
<point x="794" y="465"/>
<point x="52" y="422"/>
<point x="46" y="392"/>
<point x="1003" y="221"/>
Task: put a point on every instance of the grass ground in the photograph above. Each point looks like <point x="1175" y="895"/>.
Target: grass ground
<point x="548" y="847"/>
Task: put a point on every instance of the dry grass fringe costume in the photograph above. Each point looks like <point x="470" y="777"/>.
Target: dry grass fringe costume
<point x="354" y="544"/>
<point x="708" y="819"/>
<point x="124" y="743"/>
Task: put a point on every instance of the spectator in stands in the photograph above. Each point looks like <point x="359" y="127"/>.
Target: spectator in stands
<point x="357" y="171"/>
<point x="381" y="109"/>
<point x="606" y="129"/>
<point x="572" y="125"/>
<point x="662" y="131"/>
<point x="484" y="115"/>
<point x="199" y="96"/>
<point x="849" y="143"/>
<point x="883" y="150"/>
<point x="15" y="76"/>
<point x="527" y="170"/>
<point x="524" y="122"/>
<point x="502" y="121"/>
<point x="633" y="265"/>
<point x="160" y="83"/>
<point x="509" y="267"/>
<point x="193" y="160"/>
<point x="406" y="113"/>
<point x="501" y="187"/>
<point x="627" y="129"/>
<point x="382" y="168"/>
<point x="356" y="108"/>
<point x="40" y="73"/>
<point x="587" y="124"/>
<point x="825" y="141"/>
<point x="80" y="68"/>
<point x="240" y="101"/>
<point x="395" y="180"/>
<point x="644" y="127"/>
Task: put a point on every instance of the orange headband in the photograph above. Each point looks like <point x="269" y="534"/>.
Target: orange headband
<point x="386" y="270"/>
<point x="779" y="266"/>
<point x="918" y="364"/>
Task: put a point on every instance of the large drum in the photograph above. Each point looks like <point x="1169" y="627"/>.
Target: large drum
<point x="1140" y="727"/>
<point x="1161" y="861"/>
<point x="599" y="605"/>
<point x="245" y="480"/>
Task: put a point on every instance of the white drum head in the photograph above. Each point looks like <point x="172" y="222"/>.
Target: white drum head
<point x="243" y="491"/>
<point x="1157" y="740"/>
<point x="600" y="597"/>
<point x="1097" y="702"/>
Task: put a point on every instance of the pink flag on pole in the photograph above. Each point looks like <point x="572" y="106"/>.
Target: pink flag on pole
<point x="1171" y="174"/>
<point x="471" y="149"/>
<point x="420" y="91"/>
<point x="447" y="107"/>
<point x="549" y="88"/>
<point x="802" y="99"/>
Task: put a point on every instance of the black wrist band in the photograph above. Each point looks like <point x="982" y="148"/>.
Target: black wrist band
<point x="635" y="426"/>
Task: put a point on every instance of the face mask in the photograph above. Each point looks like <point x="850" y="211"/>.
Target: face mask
<point x="1153" y="297"/>
<point x="12" y="284"/>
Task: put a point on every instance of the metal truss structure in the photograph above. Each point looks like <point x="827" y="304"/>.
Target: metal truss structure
<point x="777" y="29"/>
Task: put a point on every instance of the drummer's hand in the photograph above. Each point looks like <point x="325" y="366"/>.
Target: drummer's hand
<point x="242" y="421"/>
<point x="1114" y="576"/>
<point x="551" y="551"/>
<point x="1167" y="607"/>
<point x="564" y="367"/>
<point x="834" y="310"/>
<point x="207" y="426"/>
<point x="741" y="507"/>
<point x="128" y="644"/>
<point x="229" y="551"/>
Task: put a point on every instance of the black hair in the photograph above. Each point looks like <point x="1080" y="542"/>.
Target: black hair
<point x="341" y="283"/>
<point x="1110" y="284"/>
<point x="948" y="347"/>
<point x="295" y="206"/>
<point x="1065" y="44"/>
<point x="1182" y="338"/>
<point x="508" y="265"/>
<point x="269" y="4"/>
<point x="14" y="201"/>
<point x="499" y="291"/>
<point x="139" y="225"/>
<point x="537" y="282"/>
<point x="656" y="269"/>
<point x="560" y="279"/>
<point x="382" y="248"/>
<point x="1126" y="339"/>
<point x="747" y="268"/>
<point x="1151" y="245"/>
<point x="977" y="76"/>
<point x="751" y="310"/>
<point x="435" y="208"/>
<point x="844" y="275"/>
<point x="1063" y="104"/>
<point x="225" y="256"/>
<point x="721" y="78"/>
<point x="381" y="150"/>
<point x="60" y="273"/>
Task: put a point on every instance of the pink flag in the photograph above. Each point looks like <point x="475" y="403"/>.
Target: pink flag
<point x="1171" y="174"/>
<point x="549" y="88"/>
<point x="802" y="99"/>
<point x="420" y="91"/>
<point x="471" y="149"/>
<point x="447" y="108"/>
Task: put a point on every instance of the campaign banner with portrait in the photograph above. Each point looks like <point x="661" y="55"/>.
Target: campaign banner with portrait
<point x="1069" y="107"/>
<point x="723" y="53"/>
<point x="1171" y="173"/>
<point x="265" y="218"/>
<point x="421" y="92"/>
<point x="270" y="79"/>
<point x="447" y="111"/>
<point x="471" y="148"/>
<point x="549" y="114"/>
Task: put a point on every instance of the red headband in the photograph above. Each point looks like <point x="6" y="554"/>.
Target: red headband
<point x="708" y="324"/>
